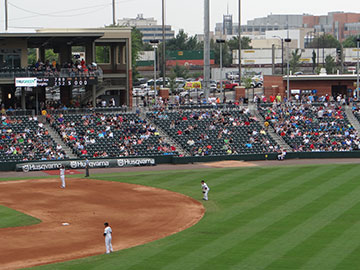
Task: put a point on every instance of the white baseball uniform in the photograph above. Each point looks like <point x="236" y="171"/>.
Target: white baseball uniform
<point x="205" y="190"/>
<point x="62" y="177"/>
<point x="108" y="237"/>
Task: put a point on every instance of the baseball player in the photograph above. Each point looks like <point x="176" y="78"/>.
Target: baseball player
<point x="62" y="176"/>
<point x="108" y="237"/>
<point x="205" y="190"/>
<point x="87" y="168"/>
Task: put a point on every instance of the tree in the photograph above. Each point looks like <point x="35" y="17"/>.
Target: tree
<point x="295" y="60"/>
<point x="51" y="56"/>
<point x="330" y="64"/>
<point x="180" y="71"/>
<point x="234" y="43"/>
<point x="350" y="42"/>
<point x="226" y="53"/>
<point x="136" y="47"/>
<point x="182" y="42"/>
<point x="32" y="56"/>
<point x="324" y="41"/>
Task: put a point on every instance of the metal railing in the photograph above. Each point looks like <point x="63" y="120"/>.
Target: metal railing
<point x="63" y="72"/>
<point x="17" y="112"/>
<point x="90" y="110"/>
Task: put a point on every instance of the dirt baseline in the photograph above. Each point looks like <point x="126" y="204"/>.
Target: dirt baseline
<point x="137" y="215"/>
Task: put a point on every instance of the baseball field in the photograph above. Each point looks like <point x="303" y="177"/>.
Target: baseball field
<point x="277" y="217"/>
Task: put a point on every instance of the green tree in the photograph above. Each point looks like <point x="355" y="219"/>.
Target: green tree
<point x="226" y="53"/>
<point x="324" y="41"/>
<point x="234" y="43"/>
<point x="32" y="56"/>
<point x="51" y="56"/>
<point x="180" y="71"/>
<point x="295" y="60"/>
<point x="137" y="46"/>
<point x="330" y="64"/>
<point x="350" y="42"/>
<point x="102" y="54"/>
<point x="182" y="42"/>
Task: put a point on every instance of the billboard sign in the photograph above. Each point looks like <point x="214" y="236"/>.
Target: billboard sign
<point x="80" y="164"/>
<point x="26" y="82"/>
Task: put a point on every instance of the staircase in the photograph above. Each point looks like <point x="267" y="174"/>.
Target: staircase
<point x="53" y="133"/>
<point x="164" y="135"/>
<point x="278" y="139"/>
<point x="100" y="90"/>
<point x="352" y="119"/>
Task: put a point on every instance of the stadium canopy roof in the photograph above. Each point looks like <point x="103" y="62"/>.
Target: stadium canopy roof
<point x="54" y="39"/>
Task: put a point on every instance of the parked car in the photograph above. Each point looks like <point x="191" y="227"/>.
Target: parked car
<point x="193" y="93"/>
<point x="228" y="85"/>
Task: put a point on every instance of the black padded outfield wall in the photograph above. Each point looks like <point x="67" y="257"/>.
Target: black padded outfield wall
<point x="80" y="164"/>
<point x="150" y="161"/>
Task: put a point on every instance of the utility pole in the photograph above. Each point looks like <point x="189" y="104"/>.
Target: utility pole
<point x="206" y="48"/>
<point x="6" y="15"/>
<point x="287" y="40"/>
<point x="273" y="59"/>
<point x="113" y="11"/>
<point x="239" y="29"/>
<point x="221" y="41"/>
<point x="163" y="44"/>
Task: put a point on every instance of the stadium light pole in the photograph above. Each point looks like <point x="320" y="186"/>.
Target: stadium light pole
<point x="154" y="43"/>
<point x="6" y="15"/>
<point x="113" y="11"/>
<point x="282" y="53"/>
<point x="239" y="30"/>
<point x="357" y="65"/>
<point x="206" y="48"/>
<point x="288" y="40"/>
<point x="221" y="41"/>
<point x="163" y="44"/>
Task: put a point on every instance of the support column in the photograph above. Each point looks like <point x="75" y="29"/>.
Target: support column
<point x="93" y="95"/>
<point x="66" y="95"/>
<point x="65" y="54"/>
<point x="239" y="92"/>
<point x="8" y="96"/>
<point x="23" y="98"/>
<point x="164" y="93"/>
<point x="89" y="53"/>
<point x="41" y="55"/>
<point x="113" y="58"/>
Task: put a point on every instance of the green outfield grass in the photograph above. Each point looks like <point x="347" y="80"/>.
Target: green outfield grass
<point x="12" y="218"/>
<point x="293" y="217"/>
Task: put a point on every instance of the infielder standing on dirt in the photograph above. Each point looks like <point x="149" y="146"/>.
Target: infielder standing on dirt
<point x="205" y="190"/>
<point x="62" y="176"/>
<point x="87" y="168"/>
<point x="108" y="237"/>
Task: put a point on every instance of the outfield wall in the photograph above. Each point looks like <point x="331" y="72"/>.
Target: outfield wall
<point x="152" y="161"/>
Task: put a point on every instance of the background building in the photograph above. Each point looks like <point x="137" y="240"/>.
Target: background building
<point x="340" y="24"/>
<point x="148" y="27"/>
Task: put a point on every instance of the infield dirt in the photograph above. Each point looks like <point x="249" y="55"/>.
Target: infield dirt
<point x="137" y="215"/>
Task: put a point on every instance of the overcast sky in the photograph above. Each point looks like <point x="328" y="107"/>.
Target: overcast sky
<point x="180" y="14"/>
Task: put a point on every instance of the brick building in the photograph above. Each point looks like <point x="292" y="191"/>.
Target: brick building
<point x="305" y="84"/>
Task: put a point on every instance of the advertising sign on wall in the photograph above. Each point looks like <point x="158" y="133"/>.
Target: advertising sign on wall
<point x="25" y="82"/>
<point x="80" y="164"/>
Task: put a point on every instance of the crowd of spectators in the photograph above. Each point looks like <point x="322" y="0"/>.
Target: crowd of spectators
<point x="25" y="139"/>
<point x="216" y="132"/>
<point x="122" y="134"/>
<point x="70" y="68"/>
<point x="309" y="128"/>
